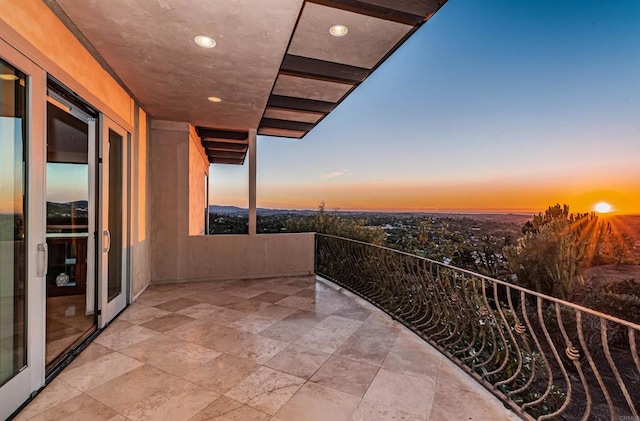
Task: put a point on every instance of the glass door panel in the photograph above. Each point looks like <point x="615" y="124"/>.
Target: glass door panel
<point x="113" y="220"/>
<point x="116" y="210"/>
<point x="23" y="252"/>
<point x="13" y="276"/>
<point x="70" y="290"/>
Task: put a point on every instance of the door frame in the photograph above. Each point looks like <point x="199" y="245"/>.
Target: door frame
<point x="18" y="389"/>
<point x="92" y="162"/>
<point x="109" y="309"/>
<point x="55" y="98"/>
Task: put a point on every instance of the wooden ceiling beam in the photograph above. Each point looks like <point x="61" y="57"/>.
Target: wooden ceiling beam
<point x="223" y="140"/>
<point x="226" y="161"/>
<point x="207" y="133"/>
<point x="286" y="124"/>
<point x="225" y="146"/>
<point x="293" y="65"/>
<point x="300" y="104"/>
<point x="373" y="10"/>
<point x="292" y="134"/>
<point x="225" y="154"/>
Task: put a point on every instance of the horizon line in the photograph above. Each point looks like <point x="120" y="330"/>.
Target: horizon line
<point x="492" y="211"/>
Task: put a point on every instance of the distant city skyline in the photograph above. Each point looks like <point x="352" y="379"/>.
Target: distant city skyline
<point x="493" y="105"/>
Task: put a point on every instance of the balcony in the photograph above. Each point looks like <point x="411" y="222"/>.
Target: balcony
<point x="545" y="358"/>
<point x="239" y="327"/>
<point x="297" y="348"/>
<point x="328" y="347"/>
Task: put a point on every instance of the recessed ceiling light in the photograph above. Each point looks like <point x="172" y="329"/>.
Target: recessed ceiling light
<point x="205" y="41"/>
<point x="214" y="99"/>
<point x="338" y="30"/>
<point x="7" y="76"/>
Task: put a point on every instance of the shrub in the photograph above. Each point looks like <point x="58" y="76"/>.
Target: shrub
<point x="554" y="250"/>
<point x="333" y="224"/>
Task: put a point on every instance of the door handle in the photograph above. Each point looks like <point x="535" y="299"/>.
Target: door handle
<point x="106" y="235"/>
<point x="43" y="250"/>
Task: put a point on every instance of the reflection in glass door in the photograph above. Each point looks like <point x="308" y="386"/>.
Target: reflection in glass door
<point x="13" y="279"/>
<point x="23" y="252"/>
<point x="70" y="224"/>
<point x="116" y="210"/>
<point x="113" y="220"/>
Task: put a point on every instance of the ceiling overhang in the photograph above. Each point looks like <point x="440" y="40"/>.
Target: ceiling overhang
<point x="224" y="146"/>
<point x="276" y="67"/>
<point x="319" y="71"/>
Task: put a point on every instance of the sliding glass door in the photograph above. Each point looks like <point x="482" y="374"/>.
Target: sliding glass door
<point x="23" y="250"/>
<point x="71" y="217"/>
<point x="13" y="223"/>
<point x="114" y="172"/>
<point x="64" y="226"/>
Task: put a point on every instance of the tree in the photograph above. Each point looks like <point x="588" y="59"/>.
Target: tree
<point x="556" y="247"/>
<point x="552" y="213"/>
<point x="489" y="259"/>
<point x="333" y="224"/>
<point x="436" y="241"/>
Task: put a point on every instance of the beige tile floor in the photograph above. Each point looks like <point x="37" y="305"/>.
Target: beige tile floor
<point x="279" y="349"/>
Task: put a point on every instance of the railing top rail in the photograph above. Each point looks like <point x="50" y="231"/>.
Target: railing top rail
<point x="497" y="281"/>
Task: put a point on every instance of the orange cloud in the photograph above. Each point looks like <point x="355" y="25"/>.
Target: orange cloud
<point x="531" y="196"/>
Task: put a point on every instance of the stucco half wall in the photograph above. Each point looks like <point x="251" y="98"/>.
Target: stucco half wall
<point x="221" y="257"/>
<point x="179" y="253"/>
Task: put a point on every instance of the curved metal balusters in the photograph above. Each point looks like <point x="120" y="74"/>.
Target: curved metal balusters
<point x="634" y="352"/>
<point x="594" y="368"/>
<point x="524" y="351"/>
<point x="614" y="368"/>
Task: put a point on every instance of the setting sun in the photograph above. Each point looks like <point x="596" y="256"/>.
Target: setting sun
<point x="603" y="207"/>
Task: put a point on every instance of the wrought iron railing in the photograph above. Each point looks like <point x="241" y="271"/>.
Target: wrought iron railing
<point x="543" y="357"/>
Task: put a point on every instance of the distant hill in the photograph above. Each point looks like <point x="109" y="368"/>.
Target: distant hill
<point x="227" y="210"/>
<point x="77" y="203"/>
<point x="625" y="223"/>
<point x="235" y="210"/>
<point x="54" y="207"/>
<point x="66" y="217"/>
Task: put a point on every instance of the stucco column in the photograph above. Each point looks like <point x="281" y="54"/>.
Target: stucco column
<point x="253" y="165"/>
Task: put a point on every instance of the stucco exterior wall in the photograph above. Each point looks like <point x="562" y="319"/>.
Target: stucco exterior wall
<point x="168" y="182"/>
<point x="176" y="255"/>
<point x="141" y="252"/>
<point x="54" y="48"/>
<point x="49" y="44"/>
<point x="198" y="167"/>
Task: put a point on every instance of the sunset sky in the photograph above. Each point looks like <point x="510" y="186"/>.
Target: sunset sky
<point x="494" y="105"/>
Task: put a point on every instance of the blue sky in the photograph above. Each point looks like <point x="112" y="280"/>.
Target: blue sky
<point x="494" y="104"/>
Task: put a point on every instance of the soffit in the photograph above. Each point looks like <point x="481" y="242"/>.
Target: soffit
<point x="304" y="117"/>
<point x="301" y="87"/>
<point x="149" y="45"/>
<point x="224" y="146"/>
<point x="369" y="39"/>
<point x="320" y="70"/>
<point x="276" y="66"/>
